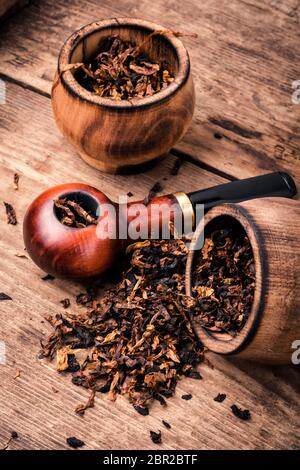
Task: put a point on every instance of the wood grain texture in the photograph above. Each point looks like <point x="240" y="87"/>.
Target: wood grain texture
<point x="244" y="62"/>
<point x="28" y="404"/>
<point x="7" y="7"/>
<point x="272" y="226"/>
<point x="32" y="146"/>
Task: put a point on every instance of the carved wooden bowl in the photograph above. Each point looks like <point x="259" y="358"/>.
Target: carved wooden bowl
<point x="115" y="136"/>
<point x="273" y="327"/>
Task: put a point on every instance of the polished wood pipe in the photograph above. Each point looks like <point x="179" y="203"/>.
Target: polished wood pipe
<point x="80" y="253"/>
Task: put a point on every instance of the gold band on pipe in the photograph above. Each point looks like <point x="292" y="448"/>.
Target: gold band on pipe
<point x="186" y="207"/>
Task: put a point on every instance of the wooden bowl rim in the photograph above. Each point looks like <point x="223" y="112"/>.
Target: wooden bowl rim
<point x="74" y="88"/>
<point x="239" y="342"/>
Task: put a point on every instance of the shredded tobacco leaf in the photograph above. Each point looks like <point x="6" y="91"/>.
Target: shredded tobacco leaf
<point x="13" y="435"/>
<point x="166" y="424"/>
<point x="122" y="71"/>
<point x="74" y="442"/>
<point x="220" y="397"/>
<point x="224" y="281"/>
<point x="20" y="255"/>
<point x="136" y="338"/>
<point x="16" y="181"/>
<point x="72" y="214"/>
<point x="11" y="214"/>
<point x="65" y="303"/>
<point x="156" y="188"/>
<point x="176" y="166"/>
<point x="17" y="374"/>
<point x="155" y="437"/>
<point x="244" y="415"/>
<point x="187" y="396"/>
<point x="218" y="136"/>
<point x="80" y="409"/>
<point x="4" y="296"/>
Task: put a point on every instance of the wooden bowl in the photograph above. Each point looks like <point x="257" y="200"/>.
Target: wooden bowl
<point x="115" y="136"/>
<point x="272" y="225"/>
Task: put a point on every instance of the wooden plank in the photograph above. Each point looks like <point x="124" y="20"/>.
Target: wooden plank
<point x="7" y="7"/>
<point x="33" y="147"/>
<point x="244" y="63"/>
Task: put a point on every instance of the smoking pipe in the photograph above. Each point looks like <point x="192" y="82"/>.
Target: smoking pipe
<point x="80" y="253"/>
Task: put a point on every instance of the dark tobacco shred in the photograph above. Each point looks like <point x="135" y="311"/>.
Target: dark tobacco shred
<point x="84" y="298"/>
<point x="105" y="389"/>
<point x="16" y="181"/>
<point x="11" y="214"/>
<point x="166" y="424"/>
<point x="13" y="435"/>
<point x="193" y="374"/>
<point x="244" y="415"/>
<point x="48" y="277"/>
<point x="155" y="437"/>
<point x="65" y="303"/>
<point x="176" y="166"/>
<point x="142" y="410"/>
<point x="224" y="281"/>
<point x="218" y="136"/>
<point x="129" y="194"/>
<point x="187" y="396"/>
<point x="135" y="338"/>
<point x="72" y="214"/>
<point x="74" y="442"/>
<point x="73" y="365"/>
<point x="122" y="71"/>
<point x="160" y="399"/>
<point x="4" y="296"/>
<point x="220" y="397"/>
<point x="156" y="188"/>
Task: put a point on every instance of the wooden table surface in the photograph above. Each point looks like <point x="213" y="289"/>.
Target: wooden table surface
<point x="244" y="62"/>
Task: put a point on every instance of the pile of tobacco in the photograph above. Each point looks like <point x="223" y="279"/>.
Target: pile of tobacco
<point x="136" y="338"/>
<point x="224" y="281"/>
<point x="73" y="214"/>
<point x="122" y="71"/>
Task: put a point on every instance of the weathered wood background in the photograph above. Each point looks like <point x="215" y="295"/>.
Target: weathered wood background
<point x="245" y="60"/>
<point x="8" y="7"/>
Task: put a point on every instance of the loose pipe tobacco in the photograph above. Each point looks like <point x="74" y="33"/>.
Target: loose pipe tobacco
<point x="89" y="249"/>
